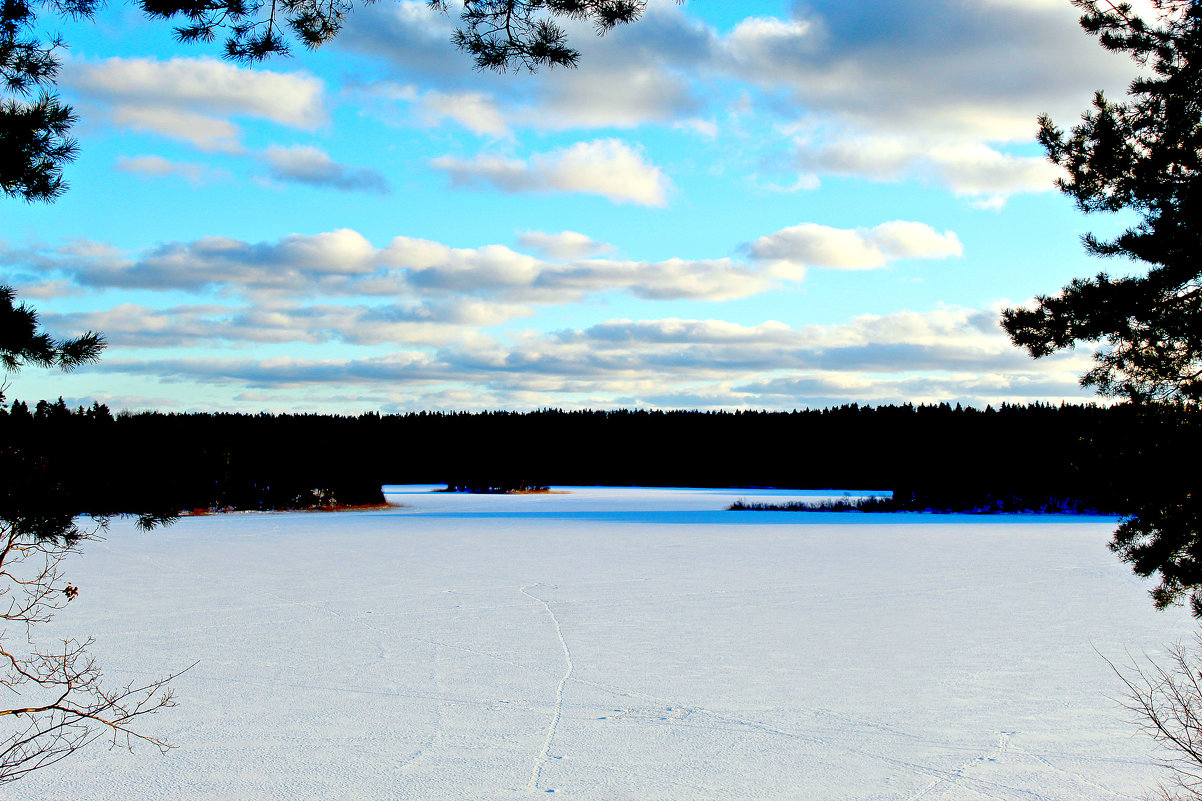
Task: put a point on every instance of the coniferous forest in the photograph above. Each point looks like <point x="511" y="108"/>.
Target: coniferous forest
<point x="1080" y="458"/>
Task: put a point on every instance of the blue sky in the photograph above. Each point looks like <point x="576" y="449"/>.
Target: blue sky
<point x="727" y="205"/>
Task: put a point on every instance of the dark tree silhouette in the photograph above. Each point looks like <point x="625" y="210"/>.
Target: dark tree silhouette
<point x="221" y="460"/>
<point x="34" y="134"/>
<point x="56" y="701"/>
<point x="22" y="342"/>
<point x="1141" y="155"/>
<point x="503" y="34"/>
<point x="498" y="34"/>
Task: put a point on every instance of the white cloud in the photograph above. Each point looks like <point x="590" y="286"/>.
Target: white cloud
<point x="915" y="91"/>
<point x="890" y="92"/>
<point x="968" y="169"/>
<point x="669" y="279"/>
<point x="415" y="323"/>
<point x="296" y="264"/>
<point x="563" y="246"/>
<point x="343" y="263"/>
<point x="308" y="165"/>
<point x="948" y="354"/>
<point x="980" y="170"/>
<point x="410" y="35"/>
<point x="701" y="127"/>
<point x="901" y="239"/>
<point x="60" y="288"/>
<point x="607" y="167"/>
<point x="624" y="97"/>
<point x="635" y="74"/>
<point x="881" y="158"/>
<point x="390" y="90"/>
<point x="492" y="268"/>
<point x="759" y="45"/>
<point x="292" y="99"/>
<point x="930" y="68"/>
<point x="193" y="98"/>
<point x="207" y="133"/>
<point x="341" y="252"/>
<point x="815" y="245"/>
<point x="506" y="174"/>
<point x="497" y="271"/>
<point x="160" y="167"/>
<point x="475" y="111"/>
<point x="678" y="331"/>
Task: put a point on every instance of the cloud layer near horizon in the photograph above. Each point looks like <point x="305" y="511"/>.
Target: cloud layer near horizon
<point x="443" y="313"/>
<point x="954" y="354"/>
<point x="344" y="263"/>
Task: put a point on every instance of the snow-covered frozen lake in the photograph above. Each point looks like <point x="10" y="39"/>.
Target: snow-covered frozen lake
<point x="617" y="643"/>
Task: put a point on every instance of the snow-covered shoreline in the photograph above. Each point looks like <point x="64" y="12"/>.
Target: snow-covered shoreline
<point x="617" y="643"/>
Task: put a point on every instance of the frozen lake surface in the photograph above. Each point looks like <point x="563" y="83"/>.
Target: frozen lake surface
<point x="616" y="643"/>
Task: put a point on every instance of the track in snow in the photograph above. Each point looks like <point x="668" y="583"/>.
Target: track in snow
<point x="544" y="754"/>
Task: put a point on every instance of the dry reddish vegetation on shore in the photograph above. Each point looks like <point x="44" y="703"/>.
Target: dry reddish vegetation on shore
<point x="327" y="508"/>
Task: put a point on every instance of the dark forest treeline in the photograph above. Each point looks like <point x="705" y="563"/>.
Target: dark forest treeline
<point x="1097" y="456"/>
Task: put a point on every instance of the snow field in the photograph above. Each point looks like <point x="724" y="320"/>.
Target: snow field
<point x="613" y="644"/>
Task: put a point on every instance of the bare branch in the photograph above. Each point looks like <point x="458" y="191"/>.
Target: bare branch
<point x="60" y="698"/>
<point x="1166" y="702"/>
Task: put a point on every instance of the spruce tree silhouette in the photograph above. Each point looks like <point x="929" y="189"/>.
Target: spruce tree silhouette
<point x="1141" y="155"/>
